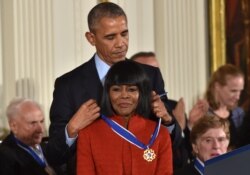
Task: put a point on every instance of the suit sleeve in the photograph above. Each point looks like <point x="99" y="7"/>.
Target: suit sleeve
<point x="158" y="86"/>
<point x="57" y="151"/>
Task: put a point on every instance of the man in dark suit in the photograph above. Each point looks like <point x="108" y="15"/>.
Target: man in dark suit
<point x="20" y="151"/>
<point x="77" y="94"/>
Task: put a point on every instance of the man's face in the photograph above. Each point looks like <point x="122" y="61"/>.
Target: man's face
<point x="28" y="127"/>
<point x="211" y="144"/>
<point x="110" y="39"/>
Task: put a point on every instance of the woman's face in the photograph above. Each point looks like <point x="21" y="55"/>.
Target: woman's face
<point x="124" y="99"/>
<point x="229" y="94"/>
<point x="211" y="144"/>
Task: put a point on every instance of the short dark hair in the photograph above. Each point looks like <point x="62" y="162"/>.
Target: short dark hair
<point x="128" y="73"/>
<point x="101" y="10"/>
<point x="142" y="54"/>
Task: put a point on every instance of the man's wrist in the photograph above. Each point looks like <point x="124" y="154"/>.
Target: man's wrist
<point x="72" y="132"/>
<point x="69" y="140"/>
<point x="169" y="122"/>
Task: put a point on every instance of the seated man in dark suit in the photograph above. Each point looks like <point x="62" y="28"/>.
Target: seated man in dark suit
<point x="209" y="138"/>
<point x="21" y="152"/>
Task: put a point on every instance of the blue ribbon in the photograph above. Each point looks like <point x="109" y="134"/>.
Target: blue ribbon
<point x="199" y="166"/>
<point x="130" y="137"/>
<point x="39" y="160"/>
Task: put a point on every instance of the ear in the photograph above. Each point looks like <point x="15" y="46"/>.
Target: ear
<point x="90" y="37"/>
<point x="195" y="149"/>
<point x="13" y="125"/>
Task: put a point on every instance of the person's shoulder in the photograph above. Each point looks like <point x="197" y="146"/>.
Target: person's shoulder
<point x="7" y="147"/>
<point x="77" y="72"/>
<point x="8" y="140"/>
<point x="238" y="110"/>
<point x="5" y="150"/>
<point x="94" y="126"/>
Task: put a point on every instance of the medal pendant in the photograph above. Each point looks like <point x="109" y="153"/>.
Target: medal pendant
<point x="149" y="155"/>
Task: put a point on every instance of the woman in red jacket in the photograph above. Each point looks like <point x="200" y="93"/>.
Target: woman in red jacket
<point x="124" y="141"/>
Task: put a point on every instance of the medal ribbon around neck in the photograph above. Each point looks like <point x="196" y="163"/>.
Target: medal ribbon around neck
<point x="40" y="161"/>
<point x="131" y="138"/>
<point x="199" y="166"/>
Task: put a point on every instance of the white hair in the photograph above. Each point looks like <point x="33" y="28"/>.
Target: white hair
<point x="13" y="108"/>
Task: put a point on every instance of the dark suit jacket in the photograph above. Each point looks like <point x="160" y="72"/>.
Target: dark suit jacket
<point x="71" y="91"/>
<point x="244" y="131"/>
<point x="187" y="170"/>
<point x="16" y="161"/>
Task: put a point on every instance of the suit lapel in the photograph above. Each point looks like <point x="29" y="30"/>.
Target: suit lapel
<point x="92" y="82"/>
<point x="24" y="159"/>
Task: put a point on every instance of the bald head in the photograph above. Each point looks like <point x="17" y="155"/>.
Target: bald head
<point x="148" y="58"/>
<point x="26" y="121"/>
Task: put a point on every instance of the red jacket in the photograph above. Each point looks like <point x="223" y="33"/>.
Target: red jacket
<point x="100" y="151"/>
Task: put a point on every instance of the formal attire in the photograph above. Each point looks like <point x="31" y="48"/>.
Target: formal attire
<point x="102" y="151"/>
<point x="235" y="119"/>
<point x="244" y="131"/>
<point x="196" y="167"/>
<point x="183" y="152"/>
<point x="71" y="91"/>
<point x="16" y="159"/>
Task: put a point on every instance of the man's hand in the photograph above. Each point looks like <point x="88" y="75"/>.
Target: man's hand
<point x="159" y="109"/>
<point x="85" y="115"/>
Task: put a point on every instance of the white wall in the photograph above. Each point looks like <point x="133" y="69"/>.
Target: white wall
<point x="181" y="47"/>
<point x="2" y="121"/>
<point x="70" y="25"/>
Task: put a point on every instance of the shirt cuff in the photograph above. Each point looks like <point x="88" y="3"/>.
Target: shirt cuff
<point x="171" y="128"/>
<point x="69" y="141"/>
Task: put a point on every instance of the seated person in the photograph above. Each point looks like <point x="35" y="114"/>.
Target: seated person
<point x="21" y="152"/>
<point x="209" y="138"/>
<point x="124" y="140"/>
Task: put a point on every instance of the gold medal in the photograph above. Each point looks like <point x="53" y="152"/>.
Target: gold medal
<point x="149" y="155"/>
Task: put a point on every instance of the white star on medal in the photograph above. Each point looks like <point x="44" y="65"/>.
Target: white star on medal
<point x="149" y="155"/>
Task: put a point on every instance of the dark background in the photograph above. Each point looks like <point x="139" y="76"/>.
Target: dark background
<point x="238" y="40"/>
